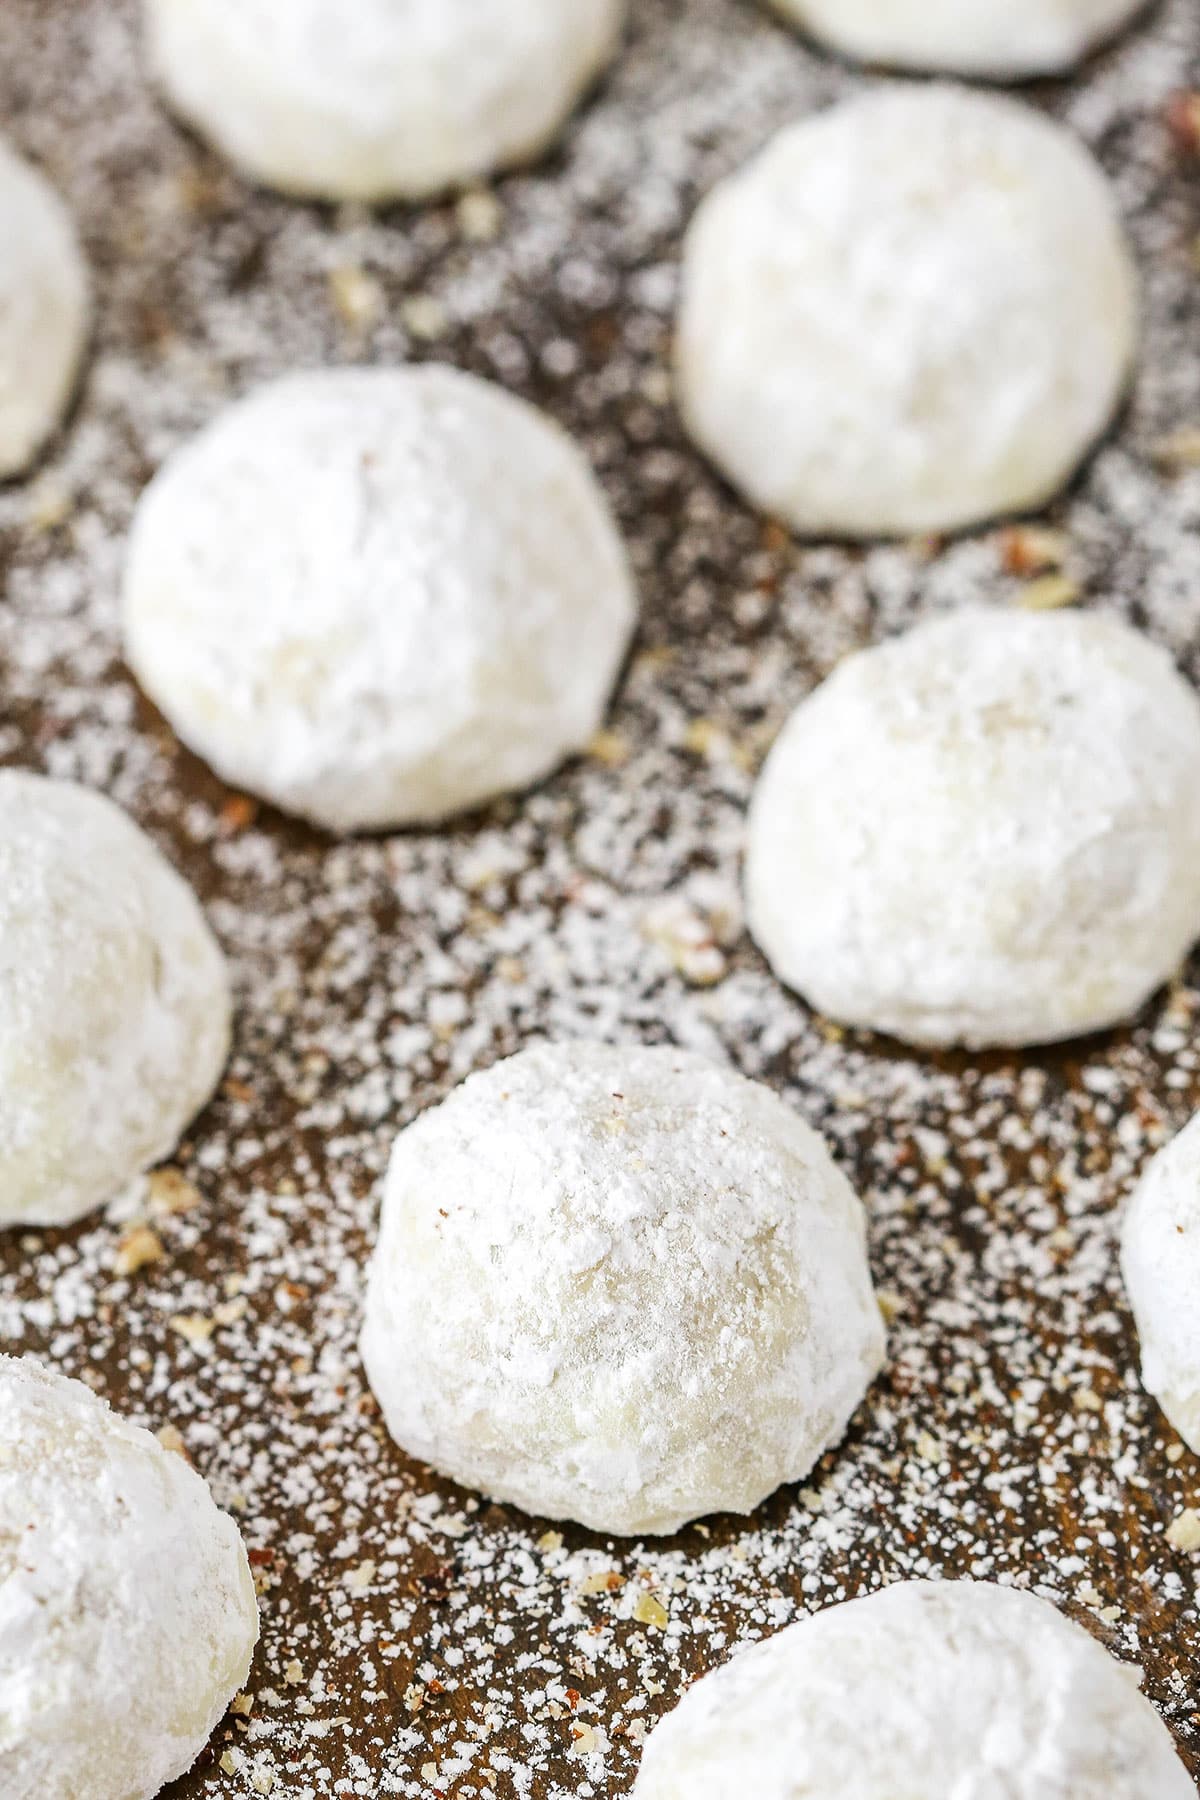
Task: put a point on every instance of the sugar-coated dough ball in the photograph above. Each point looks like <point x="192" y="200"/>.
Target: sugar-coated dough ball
<point x="127" y="1610"/>
<point x="986" y="831"/>
<point x="953" y="1690"/>
<point x="621" y="1286"/>
<point x="996" y="40"/>
<point x="44" y="310"/>
<point x="1160" y="1260"/>
<point x="114" y="1002"/>
<point x="380" y="98"/>
<point x="910" y="313"/>
<point x="377" y="597"/>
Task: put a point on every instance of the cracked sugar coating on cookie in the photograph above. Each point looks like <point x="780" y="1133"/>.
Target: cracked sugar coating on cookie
<point x="114" y="1002"/>
<point x="383" y="99"/>
<point x="619" y="1285"/>
<point x="1160" y="1260"/>
<point x="995" y="39"/>
<point x="127" y="1610"/>
<point x="379" y="597"/>
<point x="43" y="310"/>
<point x="949" y="1688"/>
<point x="911" y="313"/>
<point x="986" y="831"/>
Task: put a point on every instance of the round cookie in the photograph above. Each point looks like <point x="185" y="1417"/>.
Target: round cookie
<point x="993" y="40"/>
<point x="114" y="1002"/>
<point x="378" y="597"/>
<point x="127" y="1610"/>
<point x="44" y="310"/>
<point x="986" y="831"/>
<point x="1160" y="1260"/>
<point x="620" y="1286"/>
<point x="910" y="313"/>
<point x="954" y="1688"/>
<point x="383" y="99"/>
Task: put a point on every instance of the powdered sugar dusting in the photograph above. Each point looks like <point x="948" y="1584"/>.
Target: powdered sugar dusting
<point x="128" y="1615"/>
<point x="1048" y="767"/>
<point x="620" y="1285"/>
<point x="115" y="1023"/>
<point x="414" y="1642"/>
<point x="881" y="331"/>
<point x="378" y="597"/>
<point x="43" y="311"/>
<point x="976" y="1687"/>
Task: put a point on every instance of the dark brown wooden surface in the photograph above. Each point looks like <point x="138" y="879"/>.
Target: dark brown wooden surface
<point x="417" y="1642"/>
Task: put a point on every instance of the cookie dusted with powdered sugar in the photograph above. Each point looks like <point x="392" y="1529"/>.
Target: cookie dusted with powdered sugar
<point x="619" y="1285"/>
<point x="383" y="99"/>
<point x="911" y="313"/>
<point x="44" y="310"/>
<point x="1160" y="1260"/>
<point x="996" y="40"/>
<point x="378" y="597"/>
<point x="114" y="1002"/>
<point x="127" y="1609"/>
<point x="986" y="831"/>
<point x="928" y="1688"/>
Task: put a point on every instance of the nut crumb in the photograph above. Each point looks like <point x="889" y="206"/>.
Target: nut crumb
<point x="1033" y="549"/>
<point x="1048" y="593"/>
<point x="1183" y="1533"/>
<point x="138" y="1248"/>
<point x="479" y="215"/>
<point x="357" y="297"/>
<point x="193" y="1327"/>
<point x="1178" y="451"/>
<point x="169" y="1193"/>
<point x="650" y="1611"/>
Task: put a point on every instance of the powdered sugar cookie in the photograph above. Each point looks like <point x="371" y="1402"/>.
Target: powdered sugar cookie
<point x="984" y="832"/>
<point x="127" y="1610"/>
<point x="1160" y="1260"/>
<point x="378" y="597"/>
<point x="382" y="99"/>
<point x="620" y="1286"/>
<point x="928" y="1688"/>
<point x="114" y="1002"/>
<point x="910" y="313"/>
<point x="996" y="40"/>
<point x="43" y="311"/>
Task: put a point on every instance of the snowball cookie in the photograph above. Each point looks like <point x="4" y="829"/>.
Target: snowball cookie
<point x="996" y="40"/>
<point x="127" y="1609"/>
<point x="1160" y="1260"/>
<point x="984" y="832"/>
<point x="44" y="310"/>
<point x="378" y="597"/>
<point x="949" y="1689"/>
<point x="382" y="98"/>
<point x="912" y="312"/>
<point x="620" y="1286"/>
<point x="114" y="1002"/>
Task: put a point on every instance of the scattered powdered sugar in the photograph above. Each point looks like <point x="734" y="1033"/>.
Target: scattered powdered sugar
<point x="416" y="1641"/>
